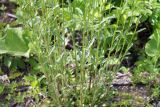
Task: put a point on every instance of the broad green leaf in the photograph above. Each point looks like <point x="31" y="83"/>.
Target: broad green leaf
<point x="2" y="46"/>
<point x="15" y="43"/>
<point x="1" y="88"/>
<point x="34" y="83"/>
<point x="29" y="78"/>
<point x="153" y="46"/>
<point x="15" y="75"/>
<point x="7" y="61"/>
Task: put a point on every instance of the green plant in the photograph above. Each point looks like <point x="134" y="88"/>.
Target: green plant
<point x="99" y="34"/>
<point x="53" y="21"/>
<point x="15" y="42"/>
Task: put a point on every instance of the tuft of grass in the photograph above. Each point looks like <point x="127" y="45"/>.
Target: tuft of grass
<point x="99" y="35"/>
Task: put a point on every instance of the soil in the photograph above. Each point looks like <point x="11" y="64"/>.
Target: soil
<point x="7" y="15"/>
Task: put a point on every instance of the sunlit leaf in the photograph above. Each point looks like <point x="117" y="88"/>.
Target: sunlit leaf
<point x="153" y="46"/>
<point x="15" y="43"/>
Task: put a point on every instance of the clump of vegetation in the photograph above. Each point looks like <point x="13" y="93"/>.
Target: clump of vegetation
<point x="69" y="52"/>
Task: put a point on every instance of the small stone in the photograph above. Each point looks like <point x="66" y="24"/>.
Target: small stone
<point x="158" y="104"/>
<point x="122" y="79"/>
<point x="4" y="79"/>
